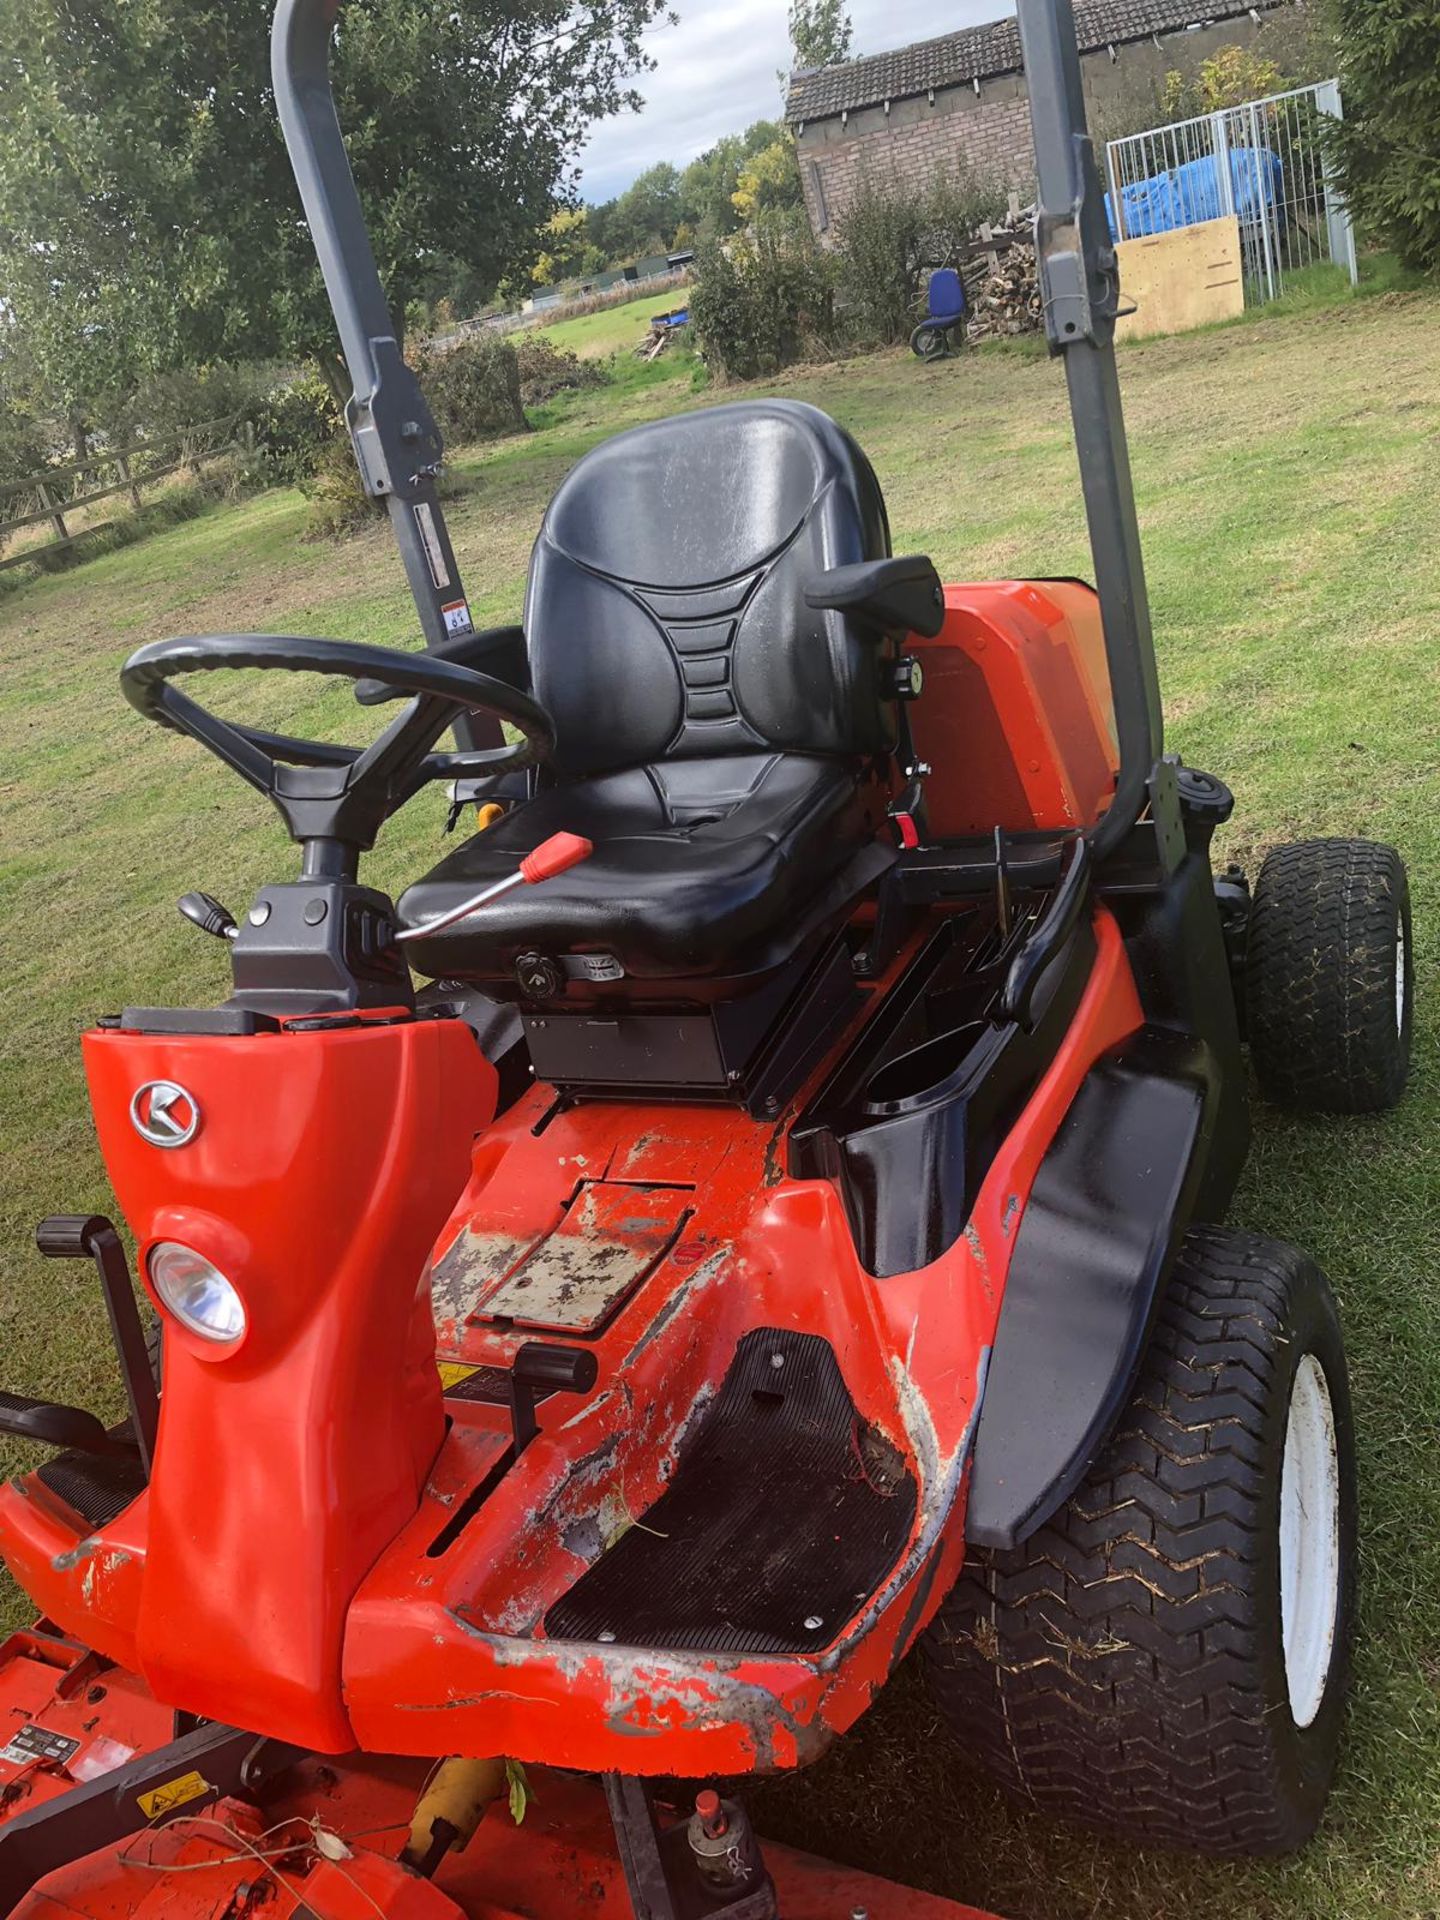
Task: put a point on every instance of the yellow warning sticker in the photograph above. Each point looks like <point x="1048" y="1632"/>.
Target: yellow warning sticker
<point x="174" y="1793"/>
<point x="452" y="1372"/>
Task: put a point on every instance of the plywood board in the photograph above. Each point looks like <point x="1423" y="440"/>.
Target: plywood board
<point x="1180" y="280"/>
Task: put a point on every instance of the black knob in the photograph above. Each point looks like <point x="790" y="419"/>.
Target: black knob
<point x="563" y="1369"/>
<point x="207" y="913"/>
<point x="907" y="678"/>
<point x="540" y="978"/>
<point x="1203" y="796"/>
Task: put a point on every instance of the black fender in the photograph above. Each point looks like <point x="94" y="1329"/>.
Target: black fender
<point x="1110" y="1203"/>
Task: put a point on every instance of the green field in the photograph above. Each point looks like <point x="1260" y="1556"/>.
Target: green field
<point x="613" y="329"/>
<point x="1286" y="479"/>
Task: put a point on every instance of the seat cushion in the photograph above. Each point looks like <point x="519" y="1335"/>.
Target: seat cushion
<point x="701" y="867"/>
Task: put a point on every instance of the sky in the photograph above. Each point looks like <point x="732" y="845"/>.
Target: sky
<point x="716" y="73"/>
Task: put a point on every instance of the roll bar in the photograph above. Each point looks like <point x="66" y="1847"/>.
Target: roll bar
<point x="1080" y="287"/>
<point x="398" y="444"/>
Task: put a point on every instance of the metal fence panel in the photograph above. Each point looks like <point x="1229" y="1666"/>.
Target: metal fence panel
<point x="1267" y="162"/>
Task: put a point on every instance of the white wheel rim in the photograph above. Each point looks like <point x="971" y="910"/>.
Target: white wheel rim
<point x="1309" y="1541"/>
<point x="1400" y="979"/>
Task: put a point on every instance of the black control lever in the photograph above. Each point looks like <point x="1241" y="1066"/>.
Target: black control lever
<point x="90" y="1236"/>
<point x="538" y="1368"/>
<point x="207" y="913"/>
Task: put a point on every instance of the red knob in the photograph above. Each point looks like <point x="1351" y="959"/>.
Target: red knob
<point x="555" y="855"/>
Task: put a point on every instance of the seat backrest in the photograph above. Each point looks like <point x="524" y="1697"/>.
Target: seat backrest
<point x="666" y="614"/>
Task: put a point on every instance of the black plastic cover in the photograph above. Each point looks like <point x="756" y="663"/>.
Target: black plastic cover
<point x="1112" y="1197"/>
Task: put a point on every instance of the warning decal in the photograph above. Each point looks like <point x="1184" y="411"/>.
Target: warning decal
<point x="174" y="1793"/>
<point x="32" y="1744"/>
<point x="456" y="615"/>
<point x="430" y="540"/>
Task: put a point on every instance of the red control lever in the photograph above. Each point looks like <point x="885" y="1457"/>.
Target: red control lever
<point x="556" y="855"/>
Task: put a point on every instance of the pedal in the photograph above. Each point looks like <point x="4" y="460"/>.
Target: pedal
<point x="52" y="1425"/>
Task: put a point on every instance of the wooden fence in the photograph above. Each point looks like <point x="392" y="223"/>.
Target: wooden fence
<point x="59" y="491"/>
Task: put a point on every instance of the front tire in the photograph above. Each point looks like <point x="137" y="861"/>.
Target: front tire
<point x="1330" y="977"/>
<point x="1167" y="1657"/>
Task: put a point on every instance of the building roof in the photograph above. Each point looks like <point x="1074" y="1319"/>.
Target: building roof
<point x="985" y="52"/>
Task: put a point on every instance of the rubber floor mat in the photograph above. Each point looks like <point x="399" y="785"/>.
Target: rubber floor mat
<point x="784" y="1516"/>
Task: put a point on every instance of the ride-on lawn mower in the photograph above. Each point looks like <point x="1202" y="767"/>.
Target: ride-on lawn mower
<point x="781" y="1231"/>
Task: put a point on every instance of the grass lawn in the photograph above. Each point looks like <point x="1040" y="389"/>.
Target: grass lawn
<point x="1286" y="479"/>
<point x="613" y="329"/>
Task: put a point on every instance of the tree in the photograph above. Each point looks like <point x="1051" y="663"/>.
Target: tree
<point x="648" y="212"/>
<point x="820" y="32"/>
<point x="567" y="248"/>
<point x="771" y="179"/>
<point x="1227" y="78"/>
<point x="1389" y="141"/>
<point x="709" y="184"/>
<point x="147" y="214"/>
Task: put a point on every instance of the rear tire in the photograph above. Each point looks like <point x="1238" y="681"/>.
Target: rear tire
<point x="1330" y="976"/>
<point x="1167" y="1657"/>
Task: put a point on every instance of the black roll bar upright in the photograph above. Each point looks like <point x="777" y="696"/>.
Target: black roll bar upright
<point x="397" y="444"/>
<point x="1080" y="286"/>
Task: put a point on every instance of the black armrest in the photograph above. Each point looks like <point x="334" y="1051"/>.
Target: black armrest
<point x="892" y="596"/>
<point x="496" y="650"/>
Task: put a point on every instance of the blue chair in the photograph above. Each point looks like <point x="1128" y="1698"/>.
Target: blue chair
<point x="946" y="307"/>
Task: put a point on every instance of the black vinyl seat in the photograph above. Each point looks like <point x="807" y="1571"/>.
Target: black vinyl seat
<point x="722" y="743"/>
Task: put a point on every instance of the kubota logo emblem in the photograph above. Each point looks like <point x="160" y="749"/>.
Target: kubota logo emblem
<point x="164" y="1114"/>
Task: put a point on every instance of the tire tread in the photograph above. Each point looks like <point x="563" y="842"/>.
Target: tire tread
<point x="1320" y="976"/>
<point x="1106" y="1670"/>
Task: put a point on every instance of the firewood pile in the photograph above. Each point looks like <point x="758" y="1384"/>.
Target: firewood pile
<point x="1003" y="287"/>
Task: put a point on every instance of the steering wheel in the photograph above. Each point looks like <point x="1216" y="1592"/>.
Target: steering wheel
<point x="326" y="792"/>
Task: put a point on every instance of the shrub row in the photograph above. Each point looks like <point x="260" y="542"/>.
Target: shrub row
<point x="774" y="295"/>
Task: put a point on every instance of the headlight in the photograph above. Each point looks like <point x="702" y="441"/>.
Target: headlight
<point x="197" y="1293"/>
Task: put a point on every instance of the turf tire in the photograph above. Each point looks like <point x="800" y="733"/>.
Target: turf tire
<point x="1125" y="1667"/>
<point x="1329" y="976"/>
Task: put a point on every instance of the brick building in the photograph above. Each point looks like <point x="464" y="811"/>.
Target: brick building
<point x="962" y="97"/>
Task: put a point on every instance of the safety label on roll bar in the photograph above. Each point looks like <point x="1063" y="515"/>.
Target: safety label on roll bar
<point x="430" y="540"/>
<point x="456" y="615"/>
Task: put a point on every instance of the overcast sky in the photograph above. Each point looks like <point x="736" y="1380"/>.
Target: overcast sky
<point x="716" y="74"/>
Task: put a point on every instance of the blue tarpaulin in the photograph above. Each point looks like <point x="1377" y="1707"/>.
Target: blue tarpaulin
<point x="1185" y="195"/>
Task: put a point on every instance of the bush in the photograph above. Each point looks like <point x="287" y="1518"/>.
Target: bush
<point x="546" y="369"/>
<point x="765" y="300"/>
<point x="888" y="237"/>
<point x="23" y="447"/>
<point x="297" y="424"/>
<point x="337" y="501"/>
<point x="23" y="451"/>
<point x="171" y="405"/>
<point x="473" y="388"/>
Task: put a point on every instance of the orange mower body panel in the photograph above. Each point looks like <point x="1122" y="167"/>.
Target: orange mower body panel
<point x="340" y="1545"/>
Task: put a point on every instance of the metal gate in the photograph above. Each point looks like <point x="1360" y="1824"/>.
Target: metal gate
<point x="1267" y="162"/>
